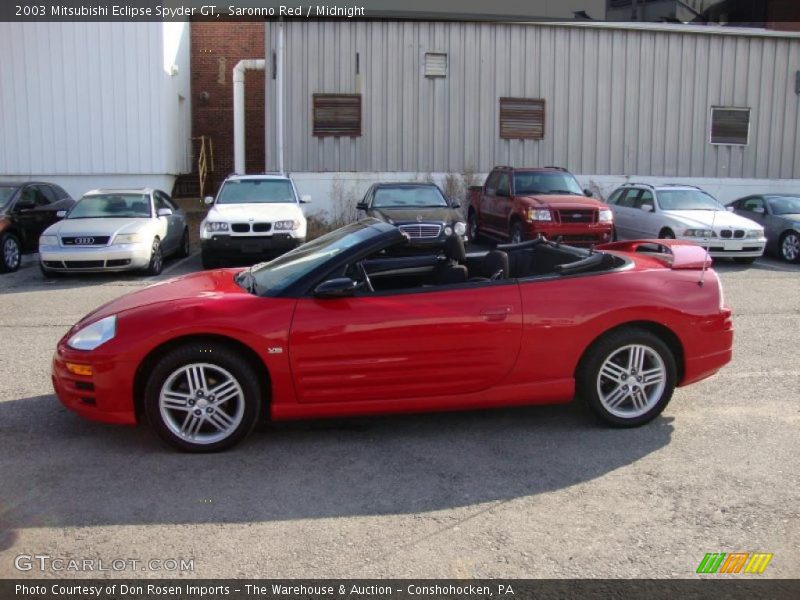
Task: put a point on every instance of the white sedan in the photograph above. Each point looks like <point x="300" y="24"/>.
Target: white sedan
<point x="115" y="230"/>
<point x="685" y="212"/>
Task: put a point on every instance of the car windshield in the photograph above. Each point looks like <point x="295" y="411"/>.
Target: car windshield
<point x="252" y="191"/>
<point x="273" y="277"/>
<point x="687" y="200"/>
<point x="6" y="191"/>
<point x="545" y="182"/>
<point x="401" y="196"/>
<point x="784" y="205"/>
<point x="99" y="206"/>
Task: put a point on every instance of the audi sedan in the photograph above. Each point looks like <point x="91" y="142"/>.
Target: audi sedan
<point x="115" y="230"/>
<point x="346" y="325"/>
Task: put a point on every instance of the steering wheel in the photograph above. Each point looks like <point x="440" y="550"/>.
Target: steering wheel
<point x="363" y="270"/>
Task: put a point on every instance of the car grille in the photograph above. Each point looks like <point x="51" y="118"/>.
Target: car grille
<point x="422" y="231"/>
<point x="86" y="264"/>
<point x="577" y="215"/>
<point x="85" y="240"/>
<point x="240" y="227"/>
<point x="261" y="227"/>
<point x="732" y="233"/>
<point x="248" y="227"/>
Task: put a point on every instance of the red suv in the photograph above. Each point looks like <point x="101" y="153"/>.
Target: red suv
<point x="519" y="204"/>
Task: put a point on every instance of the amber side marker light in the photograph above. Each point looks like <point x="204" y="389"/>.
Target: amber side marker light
<point x="76" y="369"/>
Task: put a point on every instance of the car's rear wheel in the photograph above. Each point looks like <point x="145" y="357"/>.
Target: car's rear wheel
<point x="11" y="253"/>
<point x="517" y="233"/>
<point x="790" y="246"/>
<point x="156" y="264"/>
<point x="185" y="248"/>
<point x="202" y="398"/>
<point x="666" y="234"/>
<point x="627" y="377"/>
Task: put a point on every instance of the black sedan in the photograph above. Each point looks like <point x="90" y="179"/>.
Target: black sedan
<point x="26" y="210"/>
<point x="420" y="210"/>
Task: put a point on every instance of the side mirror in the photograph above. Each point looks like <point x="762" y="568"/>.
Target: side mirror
<point x="61" y="214"/>
<point x="305" y="199"/>
<point x="361" y="206"/>
<point x="208" y="200"/>
<point x="588" y="193"/>
<point x="164" y="212"/>
<point x="647" y="207"/>
<point x="455" y="203"/>
<point x="340" y="287"/>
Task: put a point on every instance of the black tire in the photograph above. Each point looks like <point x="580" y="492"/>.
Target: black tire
<point x="10" y="253"/>
<point x="473" y="230"/>
<point x="788" y="245"/>
<point x="215" y="356"/>
<point x="517" y="233"/>
<point x="614" y="237"/>
<point x="666" y="234"/>
<point x="209" y="262"/>
<point x="745" y="260"/>
<point x="590" y="382"/>
<point x="185" y="248"/>
<point x="156" y="264"/>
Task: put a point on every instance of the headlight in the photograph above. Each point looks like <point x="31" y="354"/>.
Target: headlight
<point x="92" y="336"/>
<point x="460" y="228"/>
<point x="755" y="233"/>
<point x="539" y="214"/>
<point x="48" y="240"/>
<point x="213" y="226"/>
<point x="702" y="233"/>
<point x="126" y="238"/>
<point x="605" y="215"/>
<point x="448" y="231"/>
<point x="286" y="225"/>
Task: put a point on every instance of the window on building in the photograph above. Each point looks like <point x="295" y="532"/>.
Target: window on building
<point x="730" y="126"/>
<point x="435" y="64"/>
<point x="521" y="118"/>
<point x="337" y="115"/>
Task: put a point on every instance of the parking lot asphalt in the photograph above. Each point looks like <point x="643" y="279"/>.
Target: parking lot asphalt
<point x="529" y="492"/>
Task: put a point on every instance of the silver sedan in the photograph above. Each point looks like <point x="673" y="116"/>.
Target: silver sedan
<point x="115" y="230"/>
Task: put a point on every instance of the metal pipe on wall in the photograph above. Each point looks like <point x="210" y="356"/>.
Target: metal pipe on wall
<point x="254" y="64"/>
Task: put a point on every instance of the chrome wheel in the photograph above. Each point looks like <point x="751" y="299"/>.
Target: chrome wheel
<point x="790" y="247"/>
<point x="11" y="253"/>
<point x="631" y="381"/>
<point x="201" y="403"/>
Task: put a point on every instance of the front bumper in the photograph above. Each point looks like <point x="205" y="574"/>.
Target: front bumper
<point x="117" y="257"/>
<point x="228" y="246"/>
<point x="583" y="234"/>
<point x="106" y="395"/>
<point x="730" y="248"/>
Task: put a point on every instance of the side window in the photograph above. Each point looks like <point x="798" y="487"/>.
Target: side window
<point x="491" y="183"/>
<point x="752" y="204"/>
<point x="159" y="201"/>
<point x="168" y="202"/>
<point x="629" y="198"/>
<point x="31" y="197"/>
<point x="502" y="185"/>
<point x="645" y="197"/>
<point x="46" y="194"/>
<point x="615" y="196"/>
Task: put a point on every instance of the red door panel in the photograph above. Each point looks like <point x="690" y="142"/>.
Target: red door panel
<point x="391" y="347"/>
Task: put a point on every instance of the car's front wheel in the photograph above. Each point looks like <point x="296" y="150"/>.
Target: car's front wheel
<point x="202" y="398"/>
<point x="11" y="253"/>
<point x="185" y="248"/>
<point x="790" y="246"/>
<point x="627" y="377"/>
<point x="517" y="233"/>
<point x="156" y="264"/>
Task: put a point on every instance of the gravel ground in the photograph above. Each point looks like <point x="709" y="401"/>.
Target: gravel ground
<point x="531" y="492"/>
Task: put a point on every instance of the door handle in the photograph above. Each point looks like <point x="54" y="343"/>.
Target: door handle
<point x="496" y="313"/>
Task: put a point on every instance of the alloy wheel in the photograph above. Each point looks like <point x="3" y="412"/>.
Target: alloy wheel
<point x="790" y="247"/>
<point x="631" y="381"/>
<point x="201" y="403"/>
<point x="11" y="254"/>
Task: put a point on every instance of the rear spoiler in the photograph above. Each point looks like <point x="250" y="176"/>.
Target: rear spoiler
<point x="676" y="254"/>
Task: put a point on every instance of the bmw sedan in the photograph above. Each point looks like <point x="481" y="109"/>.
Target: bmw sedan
<point x="115" y="230"/>
<point x="779" y="215"/>
<point x="345" y="325"/>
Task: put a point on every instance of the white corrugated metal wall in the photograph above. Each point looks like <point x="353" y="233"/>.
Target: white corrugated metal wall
<point x="618" y="100"/>
<point x="85" y="101"/>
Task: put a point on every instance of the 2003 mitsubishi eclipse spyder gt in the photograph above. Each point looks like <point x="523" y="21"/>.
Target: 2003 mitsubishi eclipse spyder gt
<point x="344" y="325"/>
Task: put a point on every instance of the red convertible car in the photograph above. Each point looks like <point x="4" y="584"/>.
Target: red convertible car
<point x="345" y="325"/>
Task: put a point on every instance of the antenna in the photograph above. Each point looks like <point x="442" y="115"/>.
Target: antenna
<point x="708" y="247"/>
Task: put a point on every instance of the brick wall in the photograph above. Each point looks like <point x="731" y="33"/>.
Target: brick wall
<point x="216" y="48"/>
